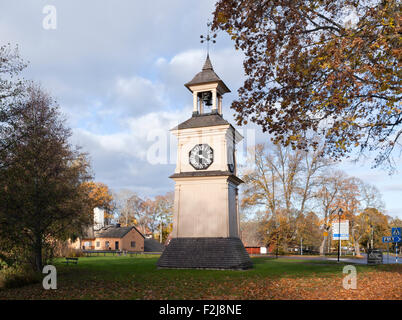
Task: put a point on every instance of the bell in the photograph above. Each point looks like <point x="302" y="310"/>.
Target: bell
<point x="207" y="98"/>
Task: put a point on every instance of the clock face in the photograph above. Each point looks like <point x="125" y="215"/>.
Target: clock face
<point x="201" y="156"/>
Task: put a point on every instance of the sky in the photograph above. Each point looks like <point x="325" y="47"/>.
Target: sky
<point x="117" y="69"/>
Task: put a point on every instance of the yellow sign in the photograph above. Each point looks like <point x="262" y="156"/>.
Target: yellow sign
<point x="325" y="234"/>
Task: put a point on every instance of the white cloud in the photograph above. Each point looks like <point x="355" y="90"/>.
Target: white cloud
<point x="122" y="159"/>
<point x="394" y="188"/>
<point x="138" y="95"/>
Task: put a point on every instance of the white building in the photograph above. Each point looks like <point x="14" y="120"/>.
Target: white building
<point x="99" y="218"/>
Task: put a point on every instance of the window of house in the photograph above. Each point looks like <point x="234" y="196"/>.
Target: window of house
<point x="97" y="244"/>
<point x="132" y="244"/>
<point x="107" y="244"/>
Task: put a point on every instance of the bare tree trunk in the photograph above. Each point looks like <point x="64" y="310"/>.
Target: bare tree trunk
<point x="322" y="246"/>
<point x="357" y="249"/>
<point x="356" y="243"/>
<point x="324" y="241"/>
<point x="38" y="255"/>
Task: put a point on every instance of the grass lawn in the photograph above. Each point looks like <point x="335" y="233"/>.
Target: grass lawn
<point x="138" y="278"/>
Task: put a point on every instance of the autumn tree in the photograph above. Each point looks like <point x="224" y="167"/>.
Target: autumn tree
<point x="348" y="200"/>
<point x="371" y="226"/>
<point x="42" y="193"/>
<point x="278" y="231"/>
<point x="330" y="67"/>
<point x="309" y="230"/>
<point x="353" y="196"/>
<point x="280" y="183"/>
<point x="395" y="222"/>
<point x="279" y="177"/>
<point x="130" y="209"/>
<point x="159" y="212"/>
<point x="101" y="197"/>
<point x="370" y="196"/>
<point x="297" y="195"/>
<point x="250" y="232"/>
<point x="164" y="208"/>
<point x="147" y="214"/>
<point x="326" y="195"/>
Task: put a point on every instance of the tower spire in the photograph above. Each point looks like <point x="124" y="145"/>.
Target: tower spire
<point x="207" y="64"/>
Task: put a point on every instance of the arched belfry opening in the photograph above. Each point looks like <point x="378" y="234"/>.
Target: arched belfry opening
<point x="207" y="89"/>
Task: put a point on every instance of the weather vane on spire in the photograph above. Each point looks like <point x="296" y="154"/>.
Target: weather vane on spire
<point x="208" y="38"/>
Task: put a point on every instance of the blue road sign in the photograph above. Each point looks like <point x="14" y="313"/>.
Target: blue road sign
<point x="396" y="232"/>
<point x="391" y="239"/>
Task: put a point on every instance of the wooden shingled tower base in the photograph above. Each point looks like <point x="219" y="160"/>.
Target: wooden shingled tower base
<point x="205" y="253"/>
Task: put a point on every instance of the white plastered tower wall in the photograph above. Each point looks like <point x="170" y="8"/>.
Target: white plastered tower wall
<point x="206" y="206"/>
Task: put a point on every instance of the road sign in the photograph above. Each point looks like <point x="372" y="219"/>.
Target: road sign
<point x="340" y="231"/>
<point x="391" y="239"/>
<point x="396" y="232"/>
<point x="374" y="256"/>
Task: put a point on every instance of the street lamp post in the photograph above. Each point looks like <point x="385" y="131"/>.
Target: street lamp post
<point x="372" y="236"/>
<point x="301" y="246"/>
<point x="277" y="238"/>
<point x="340" y="211"/>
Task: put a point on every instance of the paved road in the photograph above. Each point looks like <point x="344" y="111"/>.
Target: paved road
<point x="385" y="258"/>
<point x="347" y="260"/>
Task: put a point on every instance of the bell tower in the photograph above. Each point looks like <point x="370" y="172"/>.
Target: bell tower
<point x="206" y="219"/>
<point x="207" y="90"/>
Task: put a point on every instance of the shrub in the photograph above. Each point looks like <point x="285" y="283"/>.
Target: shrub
<point x="74" y="253"/>
<point x="14" y="277"/>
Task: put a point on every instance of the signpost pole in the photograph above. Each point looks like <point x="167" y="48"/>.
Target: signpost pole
<point x="338" y="234"/>
<point x="387" y="252"/>
<point x="396" y="234"/>
<point x="339" y="231"/>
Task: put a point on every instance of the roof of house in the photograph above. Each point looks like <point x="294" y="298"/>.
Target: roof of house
<point x="115" y="232"/>
<point x="202" y="120"/>
<point x="206" y="75"/>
